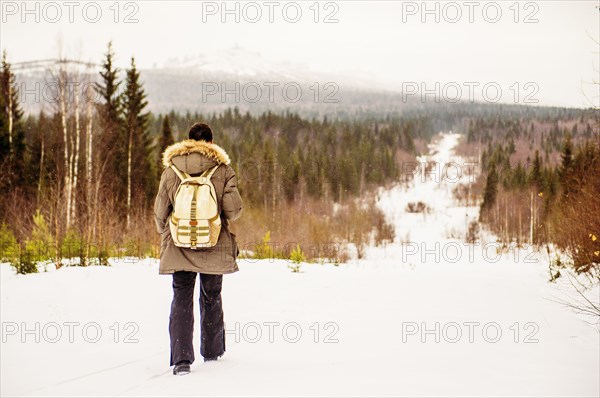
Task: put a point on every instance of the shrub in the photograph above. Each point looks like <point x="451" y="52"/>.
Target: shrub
<point x="297" y="256"/>
<point x="473" y="232"/>
<point x="41" y="243"/>
<point x="20" y="257"/>
<point x="25" y="263"/>
<point x="264" y="249"/>
<point x="9" y="248"/>
<point x="74" y="246"/>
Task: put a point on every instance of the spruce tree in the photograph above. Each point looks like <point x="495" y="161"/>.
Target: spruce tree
<point x="12" y="134"/>
<point x="166" y="139"/>
<point x="535" y="176"/>
<point x="108" y="88"/>
<point x="491" y="188"/>
<point x="566" y="163"/>
<point x="519" y="176"/>
<point x="112" y="138"/>
<point x="140" y="171"/>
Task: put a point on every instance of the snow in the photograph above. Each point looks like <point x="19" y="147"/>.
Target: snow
<point x="249" y="66"/>
<point x="234" y="61"/>
<point x="355" y="321"/>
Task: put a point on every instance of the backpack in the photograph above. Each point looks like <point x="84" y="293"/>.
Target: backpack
<point x="195" y="222"/>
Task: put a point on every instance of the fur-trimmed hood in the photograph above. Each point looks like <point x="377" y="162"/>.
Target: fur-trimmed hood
<point x="186" y="147"/>
<point x="194" y="158"/>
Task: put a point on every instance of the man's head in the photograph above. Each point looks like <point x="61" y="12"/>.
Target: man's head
<point x="201" y="132"/>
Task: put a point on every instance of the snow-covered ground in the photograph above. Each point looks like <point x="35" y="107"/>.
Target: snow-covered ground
<point x="427" y="315"/>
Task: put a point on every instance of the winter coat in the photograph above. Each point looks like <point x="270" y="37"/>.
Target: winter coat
<point x="194" y="157"/>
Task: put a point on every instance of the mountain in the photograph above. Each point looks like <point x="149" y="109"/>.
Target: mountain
<point x="235" y="61"/>
<point x="211" y="82"/>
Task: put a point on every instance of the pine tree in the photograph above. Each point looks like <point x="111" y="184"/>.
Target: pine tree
<point x="511" y="147"/>
<point x="12" y="134"/>
<point x="567" y="162"/>
<point x="108" y="88"/>
<point x="166" y="139"/>
<point x="491" y="188"/>
<point x="519" y="176"/>
<point x="10" y="114"/>
<point x="535" y="176"/>
<point x="139" y="168"/>
<point x="112" y="138"/>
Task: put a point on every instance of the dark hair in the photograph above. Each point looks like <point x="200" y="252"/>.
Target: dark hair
<point x="201" y="132"/>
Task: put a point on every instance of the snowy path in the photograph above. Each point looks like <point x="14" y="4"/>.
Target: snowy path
<point x="361" y="324"/>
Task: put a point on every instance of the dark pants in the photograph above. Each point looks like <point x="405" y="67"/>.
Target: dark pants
<point x="181" y="321"/>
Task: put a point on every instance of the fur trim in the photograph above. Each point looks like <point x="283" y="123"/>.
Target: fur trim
<point x="211" y="151"/>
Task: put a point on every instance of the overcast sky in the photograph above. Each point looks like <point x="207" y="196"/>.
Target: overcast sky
<point x="548" y="44"/>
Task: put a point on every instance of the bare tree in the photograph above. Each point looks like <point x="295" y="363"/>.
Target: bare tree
<point x="62" y="98"/>
<point x="75" y="151"/>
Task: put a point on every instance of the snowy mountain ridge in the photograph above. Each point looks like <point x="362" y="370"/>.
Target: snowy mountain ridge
<point x="247" y="65"/>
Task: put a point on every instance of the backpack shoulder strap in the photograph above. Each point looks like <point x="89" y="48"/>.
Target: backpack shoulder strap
<point x="209" y="173"/>
<point x="181" y="174"/>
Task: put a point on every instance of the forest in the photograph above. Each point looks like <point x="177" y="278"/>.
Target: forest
<point x="541" y="183"/>
<point x="79" y="178"/>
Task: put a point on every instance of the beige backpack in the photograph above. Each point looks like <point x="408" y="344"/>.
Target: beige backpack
<point x="195" y="221"/>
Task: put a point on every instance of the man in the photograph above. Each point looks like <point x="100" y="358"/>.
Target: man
<point x="194" y="156"/>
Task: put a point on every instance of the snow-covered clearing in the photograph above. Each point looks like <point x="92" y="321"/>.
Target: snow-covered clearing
<point x="432" y="316"/>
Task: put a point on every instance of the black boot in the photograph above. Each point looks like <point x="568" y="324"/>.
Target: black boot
<point x="182" y="368"/>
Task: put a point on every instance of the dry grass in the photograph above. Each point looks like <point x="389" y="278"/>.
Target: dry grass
<point x="320" y="227"/>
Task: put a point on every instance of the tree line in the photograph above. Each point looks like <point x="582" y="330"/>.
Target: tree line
<point x="80" y="177"/>
<point x="542" y="184"/>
